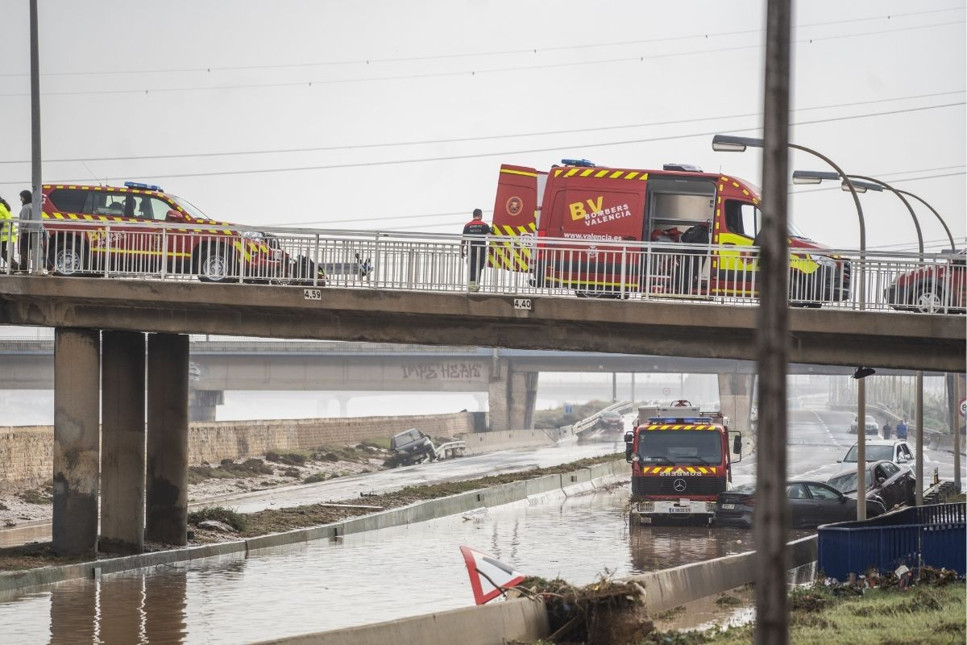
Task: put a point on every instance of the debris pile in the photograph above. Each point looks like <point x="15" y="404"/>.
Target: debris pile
<point x="604" y="612"/>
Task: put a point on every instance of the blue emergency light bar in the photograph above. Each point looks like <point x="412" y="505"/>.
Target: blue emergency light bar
<point x="139" y="186"/>
<point x="679" y="420"/>
<point x="577" y="162"/>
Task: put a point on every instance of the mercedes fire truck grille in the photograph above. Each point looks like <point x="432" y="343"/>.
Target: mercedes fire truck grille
<point x="681" y="486"/>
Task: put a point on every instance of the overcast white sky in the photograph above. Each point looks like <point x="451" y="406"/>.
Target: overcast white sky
<point x="396" y="115"/>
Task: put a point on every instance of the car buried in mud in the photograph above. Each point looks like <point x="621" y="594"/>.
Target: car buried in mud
<point x="811" y="503"/>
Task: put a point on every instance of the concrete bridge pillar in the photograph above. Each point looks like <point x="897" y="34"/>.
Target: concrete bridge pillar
<point x="202" y="404"/>
<point x="735" y="397"/>
<point x="122" y="442"/>
<point x="512" y="398"/>
<point x="77" y="381"/>
<point x="167" y="472"/>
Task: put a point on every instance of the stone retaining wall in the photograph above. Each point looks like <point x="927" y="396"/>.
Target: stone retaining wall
<point x="27" y="453"/>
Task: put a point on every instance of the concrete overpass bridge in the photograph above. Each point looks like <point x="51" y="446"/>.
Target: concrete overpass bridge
<point x="223" y="365"/>
<point x="121" y="348"/>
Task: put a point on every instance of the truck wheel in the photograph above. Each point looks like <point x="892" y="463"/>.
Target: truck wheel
<point x="216" y="264"/>
<point x="66" y="256"/>
<point x="929" y="299"/>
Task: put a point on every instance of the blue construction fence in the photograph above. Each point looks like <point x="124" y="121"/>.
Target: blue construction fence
<point x="934" y="536"/>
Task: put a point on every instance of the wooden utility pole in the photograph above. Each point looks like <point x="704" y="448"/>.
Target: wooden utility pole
<point x="772" y="353"/>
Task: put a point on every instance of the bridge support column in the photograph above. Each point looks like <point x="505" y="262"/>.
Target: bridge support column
<point x="167" y="476"/>
<point x="512" y="398"/>
<point x="122" y="442"/>
<point x="77" y="382"/>
<point x="735" y="392"/>
<point x="202" y="404"/>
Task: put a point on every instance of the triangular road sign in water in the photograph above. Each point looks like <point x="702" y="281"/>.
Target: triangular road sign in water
<point x="488" y="575"/>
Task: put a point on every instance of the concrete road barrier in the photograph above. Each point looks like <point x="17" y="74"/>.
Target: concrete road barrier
<point x="519" y="620"/>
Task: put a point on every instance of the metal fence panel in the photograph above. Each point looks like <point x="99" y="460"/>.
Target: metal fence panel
<point x="930" y="535"/>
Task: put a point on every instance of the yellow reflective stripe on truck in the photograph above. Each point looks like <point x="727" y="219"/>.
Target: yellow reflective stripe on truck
<point x="511" y="254"/>
<point x="598" y="173"/>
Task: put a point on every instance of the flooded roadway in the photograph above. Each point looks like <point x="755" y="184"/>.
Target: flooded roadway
<point x="392" y="573"/>
<point x="356" y="579"/>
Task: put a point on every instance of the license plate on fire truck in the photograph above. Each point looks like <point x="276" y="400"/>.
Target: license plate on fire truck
<point x="683" y="506"/>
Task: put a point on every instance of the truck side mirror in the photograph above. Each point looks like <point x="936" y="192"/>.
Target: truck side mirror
<point x="737" y="445"/>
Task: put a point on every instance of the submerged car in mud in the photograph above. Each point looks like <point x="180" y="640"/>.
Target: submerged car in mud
<point x="811" y="504"/>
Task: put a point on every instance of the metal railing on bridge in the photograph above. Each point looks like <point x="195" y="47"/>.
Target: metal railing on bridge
<point x="521" y="266"/>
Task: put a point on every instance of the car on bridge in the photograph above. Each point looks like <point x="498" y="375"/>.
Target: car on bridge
<point x="139" y="228"/>
<point x="936" y="288"/>
<point x="872" y="427"/>
<point x="811" y="503"/>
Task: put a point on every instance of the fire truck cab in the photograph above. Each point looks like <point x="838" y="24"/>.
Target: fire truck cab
<point x="681" y="459"/>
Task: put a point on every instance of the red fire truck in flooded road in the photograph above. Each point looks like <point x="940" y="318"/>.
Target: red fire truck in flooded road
<point x="681" y="459"/>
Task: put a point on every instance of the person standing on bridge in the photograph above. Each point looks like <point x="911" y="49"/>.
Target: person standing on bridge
<point x="478" y="231"/>
<point x="31" y="236"/>
<point x="8" y="237"/>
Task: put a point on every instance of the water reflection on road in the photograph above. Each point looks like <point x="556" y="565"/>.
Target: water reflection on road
<point x="356" y="579"/>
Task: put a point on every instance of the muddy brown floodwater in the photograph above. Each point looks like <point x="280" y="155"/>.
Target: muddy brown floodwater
<point x="356" y="579"/>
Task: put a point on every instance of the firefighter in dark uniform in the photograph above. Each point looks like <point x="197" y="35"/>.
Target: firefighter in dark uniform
<point x="475" y="228"/>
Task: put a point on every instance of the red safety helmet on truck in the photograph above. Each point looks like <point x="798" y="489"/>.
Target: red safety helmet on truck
<point x="609" y="212"/>
<point x="681" y="459"/>
<point x="142" y="229"/>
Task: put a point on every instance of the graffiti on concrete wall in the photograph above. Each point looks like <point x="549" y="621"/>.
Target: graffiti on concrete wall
<point x="443" y="371"/>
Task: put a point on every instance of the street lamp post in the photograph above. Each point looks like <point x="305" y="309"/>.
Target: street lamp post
<point x="810" y="177"/>
<point x="729" y="143"/>
<point x="865" y="183"/>
<point x="953" y="245"/>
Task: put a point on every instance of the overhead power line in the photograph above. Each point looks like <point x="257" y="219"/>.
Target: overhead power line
<point x="469" y="139"/>
<point x="503" y="52"/>
<point x="459" y="73"/>
<point x="508" y="153"/>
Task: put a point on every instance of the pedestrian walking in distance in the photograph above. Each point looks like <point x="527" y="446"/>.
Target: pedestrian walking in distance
<point x="886" y="429"/>
<point x="478" y="231"/>
<point x="901" y="429"/>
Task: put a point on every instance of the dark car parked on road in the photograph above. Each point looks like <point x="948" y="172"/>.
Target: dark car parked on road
<point x="886" y="482"/>
<point x="811" y="503"/>
<point x="412" y="447"/>
<point x="611" y="420"/>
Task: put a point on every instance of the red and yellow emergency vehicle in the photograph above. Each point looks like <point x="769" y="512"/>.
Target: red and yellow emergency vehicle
<point x="681" y="459"/>
<point x="609" y="212"/>
<point x="141" y="228"/>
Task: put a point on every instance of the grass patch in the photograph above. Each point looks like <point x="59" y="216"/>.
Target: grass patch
<point x="556" y="418"/>
<point x="316" y="478"/>
<point x="237" y="521"/>
<point x="228" y="469"/>
<point x="288" y="458"/>
<point x="924" y="614"/>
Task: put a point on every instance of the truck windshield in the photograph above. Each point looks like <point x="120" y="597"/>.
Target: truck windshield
<point x="680" y="446"/>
